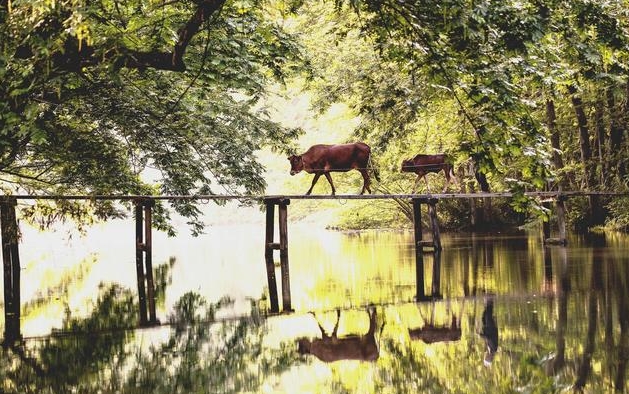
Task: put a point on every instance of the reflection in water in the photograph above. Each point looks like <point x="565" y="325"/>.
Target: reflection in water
<point x="431" y="333"/>
<point x="489" y="331"/>
<point x="561" y="311"/>
<point x="330" y="348"/>
<point x="191" y="357"/>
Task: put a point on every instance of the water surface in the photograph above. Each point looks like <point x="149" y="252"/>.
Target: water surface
<point x="560" y="314"/>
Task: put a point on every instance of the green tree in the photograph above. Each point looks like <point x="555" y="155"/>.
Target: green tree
<point x="523" y="83"/>
<point x="138" y="97"/>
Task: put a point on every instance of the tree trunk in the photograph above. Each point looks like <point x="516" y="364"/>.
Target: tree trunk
<point x="599" y="142"/>
<point x="623" y="341"/>
<point x="584" y="136"/>
<point x="584" y="368"/>
<point x="596" y="216"/>
<point x="624" y="126"/>
<point x="615" y="133"/>
<point x="551" y="123"/>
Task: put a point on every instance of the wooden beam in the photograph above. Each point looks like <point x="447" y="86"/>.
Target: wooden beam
<point x="218" y="197"/>
<point x="268" y="254"/>
<point x="11" y="265"/>
<point x="420" y="293"/>
<point x="434" y="224"/>
<point x="139" y="260"/>
<point x="148" y="258"/>
<point x="283" y="228"/>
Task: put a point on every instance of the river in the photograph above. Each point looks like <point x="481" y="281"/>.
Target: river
<point x="527" y="317"/>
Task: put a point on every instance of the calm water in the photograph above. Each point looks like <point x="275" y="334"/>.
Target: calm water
<point x="531" y="318"/>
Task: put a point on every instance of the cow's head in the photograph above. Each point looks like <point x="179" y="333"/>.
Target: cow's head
<point x="296" y="164"/>
<point x="303" y="345"/>
<point x="408" y="166"/>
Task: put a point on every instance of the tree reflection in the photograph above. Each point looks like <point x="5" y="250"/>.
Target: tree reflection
<point x="489" y="331"/>
<point x="100" y="354"/>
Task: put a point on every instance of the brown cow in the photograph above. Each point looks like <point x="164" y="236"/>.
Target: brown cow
<point x="423" y="164"/>
<point x="323" y="159"/>
<point x="352" y="347"/>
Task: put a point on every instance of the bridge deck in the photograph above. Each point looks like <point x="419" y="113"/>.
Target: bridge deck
<point x="539" y="194"/>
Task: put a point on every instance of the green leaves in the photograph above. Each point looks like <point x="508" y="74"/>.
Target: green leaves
<point x="87" y="106"/>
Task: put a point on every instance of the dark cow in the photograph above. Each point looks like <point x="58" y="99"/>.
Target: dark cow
<point x="323" y="159"/>
<point x="431" y="333"/>
<point x="352" y="347"/>
<point x="423" y="164"/>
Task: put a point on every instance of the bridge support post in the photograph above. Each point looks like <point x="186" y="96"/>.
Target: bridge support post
<point x="434" y="224"/>
<point x="436" y="275"/>
<point x="144" y="260"/>
<point x="420" y="294"/>
<point x="435" y="243"/>
<point x="11" y="265"/>
<point x="282" y="246"/>
<point x="560" y="208"/>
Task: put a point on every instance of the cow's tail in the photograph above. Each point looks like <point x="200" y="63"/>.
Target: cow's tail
<point x="453" y="175"/>
<point x="373" y="168"/>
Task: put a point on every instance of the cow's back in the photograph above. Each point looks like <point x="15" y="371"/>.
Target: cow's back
<point x="436" y="334"/>
<point x="341" y="157"/>
<point x="430" y="163"/>
<point x="349" y="348"/>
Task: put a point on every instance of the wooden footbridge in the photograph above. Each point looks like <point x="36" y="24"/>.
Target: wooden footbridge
<point x="143" y="239"/>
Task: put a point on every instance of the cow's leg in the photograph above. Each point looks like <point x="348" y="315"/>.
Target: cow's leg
<point x="447" y="182"/>
<point x="450" y="177"/>
<point x="366" y="181"/>
<point x="372" y="321"/>
<point x="329" y="178"/>
<point x="336" y="326"/>
<point x="427" y="185"/>
<point x="419" y="177"/>
<point x="314" y="181"/>
<point x="453" y="177"/>
<point x="323" y="334"/>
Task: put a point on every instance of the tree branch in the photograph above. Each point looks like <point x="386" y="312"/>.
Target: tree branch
<point x="74" y="57"/>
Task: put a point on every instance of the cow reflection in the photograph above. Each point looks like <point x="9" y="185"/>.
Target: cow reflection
<point x="431" y="333"/>
<point x="331" y="348"/>
<point x="489" y="332"/>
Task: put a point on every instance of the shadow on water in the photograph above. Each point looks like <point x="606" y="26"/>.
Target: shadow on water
<point x="504" y="315"/>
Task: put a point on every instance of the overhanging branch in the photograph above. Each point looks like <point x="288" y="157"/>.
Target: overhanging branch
<point x="73" y="58"/>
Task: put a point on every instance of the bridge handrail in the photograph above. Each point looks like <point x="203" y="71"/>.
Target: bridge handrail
<point x="505" y="194"/>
